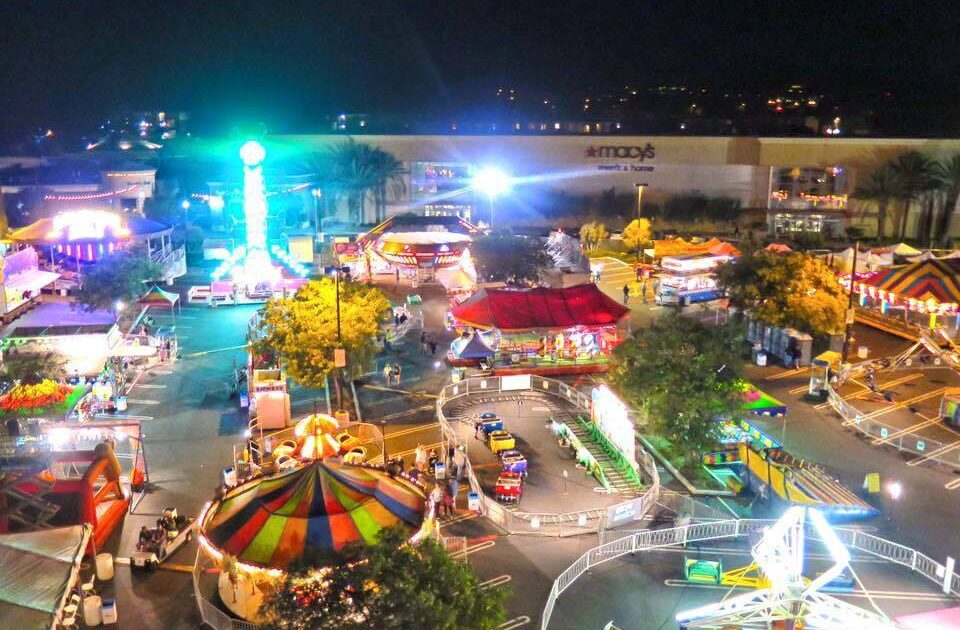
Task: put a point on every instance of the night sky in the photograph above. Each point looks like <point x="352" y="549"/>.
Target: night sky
<point x="69" y="62"/>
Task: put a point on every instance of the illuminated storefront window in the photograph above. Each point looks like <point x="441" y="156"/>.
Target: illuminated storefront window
<point x="442" y="188"/>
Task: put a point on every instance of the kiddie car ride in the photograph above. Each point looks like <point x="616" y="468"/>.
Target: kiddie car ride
<point x="157" y="544"/>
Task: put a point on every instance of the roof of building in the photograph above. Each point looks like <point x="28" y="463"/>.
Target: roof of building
<point x="538" y="309"/>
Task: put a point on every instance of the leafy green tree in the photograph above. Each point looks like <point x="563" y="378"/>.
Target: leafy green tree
<point x="31" y="367"/>
<point x="386" y="585"/>
<point x="796" y="290"/>
<point x="685" y="375"/>
<point x="505" y="257"/>
<point x="637" y="234"/>
<point x="121" y="276"/>
<point x="303" y="330"/>
<point x="882" y="187"/>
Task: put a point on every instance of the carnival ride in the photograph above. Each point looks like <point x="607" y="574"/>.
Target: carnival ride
<point x="85" y="488"/>
<point x="783" y="596"/>
<point x="778" y="475"/>
<point x="249" y="275"/>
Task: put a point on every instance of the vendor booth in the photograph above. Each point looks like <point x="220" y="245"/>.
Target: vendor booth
<point x="543" y="331"/>
<point x="689" y="278"/>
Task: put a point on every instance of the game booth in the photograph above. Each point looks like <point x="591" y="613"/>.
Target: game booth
<point x="542" y="331"/>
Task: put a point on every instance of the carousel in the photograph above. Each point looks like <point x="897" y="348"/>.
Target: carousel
<point x="308" y="499"/>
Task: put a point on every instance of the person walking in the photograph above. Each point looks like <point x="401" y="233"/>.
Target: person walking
<point x="643" y="289"/>
<point x="453" y="487"/>
<point x="626" y="294"/>
<point x="387" y="373"/>
<point x="420" y="458"/>
<point x="433" y="346"/>
<point x="449" y="498"/>
<point x="459" y="461"/>
<point x="436" y="495"/>
<point x="423" y="341"/>
<point x="396" y="373"/>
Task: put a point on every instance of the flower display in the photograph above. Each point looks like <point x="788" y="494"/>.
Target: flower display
<point x="44" y="394"/>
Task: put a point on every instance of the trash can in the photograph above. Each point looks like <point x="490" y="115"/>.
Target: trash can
<point x="473" y="501"/>
<point x="92" y="610"/>
<point x="104" y="562"/>
<point x="121" y="403"/>
<point x="862" y="352"/>
<point x="229" y="477"/>
<point x="439" y="471"/>
<point x="108" y="613"/>
<point x="761" y="359"/>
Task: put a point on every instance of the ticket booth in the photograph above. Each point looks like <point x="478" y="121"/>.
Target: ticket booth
<point x="822" y="368"/>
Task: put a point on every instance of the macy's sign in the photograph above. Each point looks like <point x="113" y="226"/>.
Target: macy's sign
<point x="622" y="152"/>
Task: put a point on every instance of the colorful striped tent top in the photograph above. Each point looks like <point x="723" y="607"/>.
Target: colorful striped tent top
<point x="270" y="521"/>
<point x="937" y="280"/>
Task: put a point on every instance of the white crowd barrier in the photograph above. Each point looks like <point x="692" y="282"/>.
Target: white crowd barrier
<point x="543" y="524"/>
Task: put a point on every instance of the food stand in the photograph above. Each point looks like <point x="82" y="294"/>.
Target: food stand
<point x="689" y="278"/>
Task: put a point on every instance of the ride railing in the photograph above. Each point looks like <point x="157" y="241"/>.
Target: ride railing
<point x="210" y="613"/>
<point x="885" y="434"/>
<point x="645" y="540"/>
<point x="538" y="523"/>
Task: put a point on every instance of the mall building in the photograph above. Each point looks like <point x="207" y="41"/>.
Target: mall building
<point x="804" y="184"/>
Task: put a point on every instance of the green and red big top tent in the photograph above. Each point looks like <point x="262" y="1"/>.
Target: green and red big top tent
<point x="270" y="521"/>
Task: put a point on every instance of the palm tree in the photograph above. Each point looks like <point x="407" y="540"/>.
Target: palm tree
<point x="882" y="187"/>
<point x="389" y="171"/>
<point x="916" y="171"/>
<point x="948" y="174"/>
<point x="352" y="174"/>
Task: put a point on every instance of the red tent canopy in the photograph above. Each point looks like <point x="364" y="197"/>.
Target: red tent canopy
<point x="513" y="310"/>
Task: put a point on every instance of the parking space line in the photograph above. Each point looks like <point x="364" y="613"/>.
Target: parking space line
<point x="137" y="401"/>
<point x="150" y="386"/>
<point x="864" y="392"/>
<point x="934" y="454"/>
<point x="786" y="373"/>
<point x="927" y="422"/>
<point x="952" y="485"/>
<point x="903" y="403"/>
<point x="417" y="429"/>
<point x="516" y="622"/>
<point x="497" y="581"/>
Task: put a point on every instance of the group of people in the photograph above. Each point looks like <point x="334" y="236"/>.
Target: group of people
<point x="643" y="289"/>
<point x="391" y="373"/>
<point x="444" y="493"/>
<point x="428" y="343"/>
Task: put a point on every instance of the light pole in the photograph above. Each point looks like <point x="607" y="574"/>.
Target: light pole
<point x="639" y="186"/>
<point x="492" y="182"/>
<point x="849" y="315"/>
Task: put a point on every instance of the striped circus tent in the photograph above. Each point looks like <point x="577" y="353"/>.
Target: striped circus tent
<point x="269" y="521"/>
<point x="928" y="282"/>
